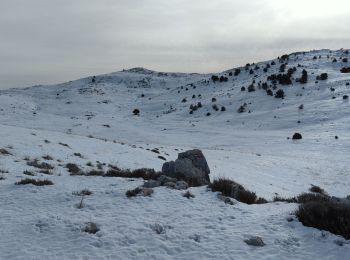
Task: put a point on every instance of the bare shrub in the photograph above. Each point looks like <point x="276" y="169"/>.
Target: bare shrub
<point x="43" y="165"/>
<point x="234" y="190"/>
<point x="73" y="168"/>
<point x="326" y="215"/>
<point x="3" y="151"/>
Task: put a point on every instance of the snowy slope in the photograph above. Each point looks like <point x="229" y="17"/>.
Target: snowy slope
<point x="93" y="116"/>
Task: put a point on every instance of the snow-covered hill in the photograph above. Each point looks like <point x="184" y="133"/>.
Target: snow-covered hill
<point x="94" y="117"/>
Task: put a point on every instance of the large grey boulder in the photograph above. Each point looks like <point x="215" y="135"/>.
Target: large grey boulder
<point x="190" y="166"/>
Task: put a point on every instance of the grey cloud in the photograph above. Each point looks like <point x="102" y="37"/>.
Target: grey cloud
<point x="53" y="41"/>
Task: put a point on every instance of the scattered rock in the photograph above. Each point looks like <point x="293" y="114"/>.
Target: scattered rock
<point x="152" y="184"/>
<point x="255" y="241"/>
<point x="181" y="185"/>
<point x="225" y="199"/>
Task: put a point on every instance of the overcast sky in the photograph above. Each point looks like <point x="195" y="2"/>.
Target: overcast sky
<point x="52" y="41"/>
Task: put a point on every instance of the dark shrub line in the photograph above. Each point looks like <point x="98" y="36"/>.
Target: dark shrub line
<point x="234" y="190"/>
<point x="34" y="182"/>
<point x="329" y="215"/>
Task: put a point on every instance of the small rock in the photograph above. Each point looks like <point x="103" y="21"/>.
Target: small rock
<point x="164" y="179"/>
<point x="225" y="199"/>
<point x="255" y="241"/>
<point x="147" y="192"/>
<point x="170" y="184"/>
<point x="152" y="184"/>
<point x="181" y="185"/>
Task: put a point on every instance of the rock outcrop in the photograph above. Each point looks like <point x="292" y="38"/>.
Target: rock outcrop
<point x="190" y="166"/>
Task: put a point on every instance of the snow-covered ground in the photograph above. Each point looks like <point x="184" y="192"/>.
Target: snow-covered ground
<point x="95" y="119"/>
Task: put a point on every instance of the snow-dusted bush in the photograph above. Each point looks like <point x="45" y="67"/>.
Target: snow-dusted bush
<point x="43" y="165"/>
<point x="234" y="190"/>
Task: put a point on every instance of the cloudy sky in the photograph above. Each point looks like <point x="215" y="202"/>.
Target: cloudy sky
<point x="51" y="41"/>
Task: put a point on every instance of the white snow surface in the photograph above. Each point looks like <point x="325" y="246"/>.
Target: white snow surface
<point x="96" y="120"/>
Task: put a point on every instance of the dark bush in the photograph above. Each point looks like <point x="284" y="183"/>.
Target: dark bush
<point x="214" y="78"/>
<point x="237" y="72"/>
<point x="345" y="97"/>
<point x="213" y="99"/>
<point x="34" y="182"/>
<point x="283" y="79"/>
<point x="136" y="112"/>
<point x="323" y="76"/>
<point x="297" y="136"/>
<point x="269" y="92"/>
<point x="251" y="88"/>
<point x="282" y="67"/>
<point x="279" y="94"/>
<point x="241" y="109"/>
<point x="264" y="86"/>
<point x="223" y="109"/>
<point x="215" y="107"/>
<point x="144" y="173"/>
<point x="208" y="114"/>
<point x="285" y="57"/>
<point x="345" y="70"/>
<point x="304" y="77"/>
<point x="326" y="215"/>
<point x="345" y="60"/>
<point x="223" y="79"/>
<point x="242" y="88"/>
<point x="184" y="100"/>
